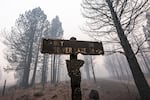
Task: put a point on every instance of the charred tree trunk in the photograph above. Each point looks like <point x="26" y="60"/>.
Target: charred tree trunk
<point x="51" y="68"/>
<point x="142" y="85"/>
<point x="35" y="67"/>
<point x="29" y="60"/>
<point x="93" y="69"/>
<point x="58" y="70"/>
<point x="53" y="60"/>
<point x="44" y="68"/>
<point x="55" y="69"/>
<point x="4" y="87"/>
<point x="36" y="60"/>
<point x="24" y="70"/>
<point x="87" y="67"/>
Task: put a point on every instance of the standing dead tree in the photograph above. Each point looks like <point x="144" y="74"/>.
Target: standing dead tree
<point x="115" y="21"/>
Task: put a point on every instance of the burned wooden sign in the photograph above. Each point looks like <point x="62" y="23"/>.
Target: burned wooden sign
<point x="58" y="46"/>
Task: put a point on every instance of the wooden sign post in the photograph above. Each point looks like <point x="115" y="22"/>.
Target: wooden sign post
<point x="57" y="46"/>
<point x="72" y="47"/>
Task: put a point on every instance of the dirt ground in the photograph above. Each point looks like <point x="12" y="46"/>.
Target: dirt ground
<point x="107" y="89"/>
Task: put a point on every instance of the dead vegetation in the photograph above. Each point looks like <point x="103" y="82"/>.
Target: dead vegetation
<point x="107" y="90"/>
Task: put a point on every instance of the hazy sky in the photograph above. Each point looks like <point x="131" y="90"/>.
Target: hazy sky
<point x="68" y="11"/>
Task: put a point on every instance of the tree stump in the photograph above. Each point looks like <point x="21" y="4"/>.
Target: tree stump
<point x="94" y="95"/>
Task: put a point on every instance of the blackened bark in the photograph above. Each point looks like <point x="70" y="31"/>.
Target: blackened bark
<point x="142" y="85"/>
<point x="36" y="61"/>
<point x="35" y="68"/>
<point x="51" y="68"/>
<point x="43" y="80"/>
<point x="29" y="59"/>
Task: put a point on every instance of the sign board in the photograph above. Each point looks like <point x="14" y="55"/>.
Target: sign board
<point x="58" y="46"/>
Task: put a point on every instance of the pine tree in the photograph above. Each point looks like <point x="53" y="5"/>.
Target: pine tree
<point x="24" y="43"/>
<point x="56" y="31"/>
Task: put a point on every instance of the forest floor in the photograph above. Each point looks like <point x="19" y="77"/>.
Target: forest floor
<point x="107" y="89"/>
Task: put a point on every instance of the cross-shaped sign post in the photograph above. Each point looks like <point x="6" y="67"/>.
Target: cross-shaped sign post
<point x="72" y="47"/>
